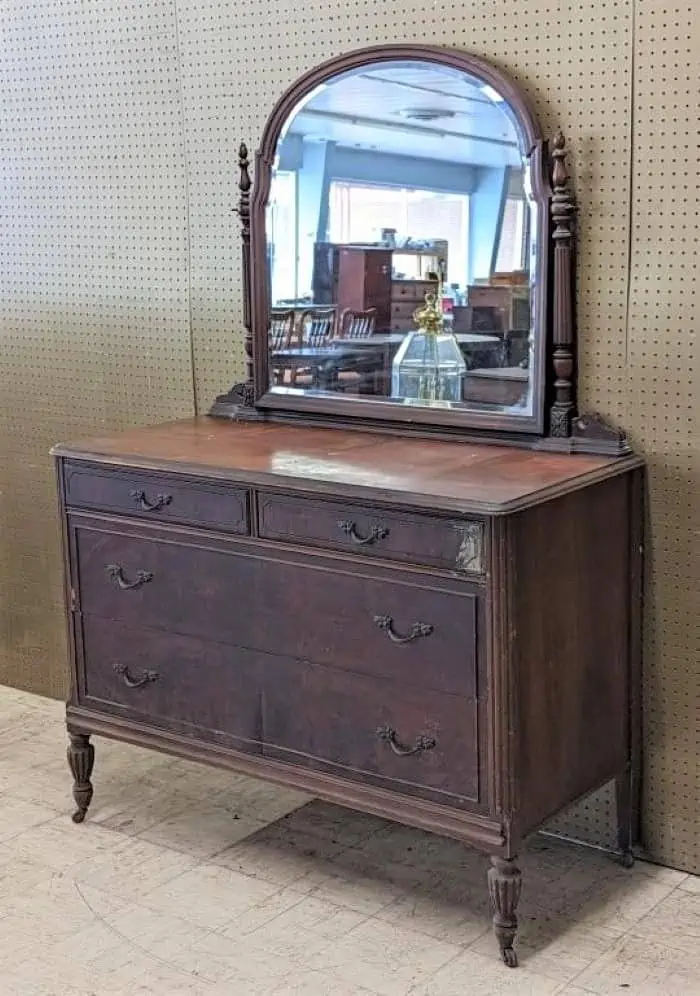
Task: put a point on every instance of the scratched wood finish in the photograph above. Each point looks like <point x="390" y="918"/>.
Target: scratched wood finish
<point x="415" y="472"/>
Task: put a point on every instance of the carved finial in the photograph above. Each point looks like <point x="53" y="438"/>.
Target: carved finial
<point x="560" y="175"/>
<point x="563" y="204"/>
<point x="244" y="164"/>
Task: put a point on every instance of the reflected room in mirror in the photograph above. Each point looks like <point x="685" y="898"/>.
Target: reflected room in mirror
<point x="402" y="244"/>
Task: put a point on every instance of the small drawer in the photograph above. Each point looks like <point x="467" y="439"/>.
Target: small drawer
<point x="367" y="729"/>
<point x="403" y="310"/>
<point x="451" y="544"/>
<point x="412" y="290"/>
<point x="172" y="680"/>
<point x="160" y="497"/>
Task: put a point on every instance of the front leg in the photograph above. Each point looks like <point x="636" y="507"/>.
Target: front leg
<point x="81" y="757"/>
<point x="505" y="883"/>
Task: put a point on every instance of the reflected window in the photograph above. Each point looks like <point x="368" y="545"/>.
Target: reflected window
<point x="361" y="212"/>
<point x="282" y="236"/>
<point x="512" y="245"/>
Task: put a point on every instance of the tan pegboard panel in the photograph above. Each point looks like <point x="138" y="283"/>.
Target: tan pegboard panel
<point x="592" y="821"/>
<point x="664" y="414"/>
<point x="94" y="307"/>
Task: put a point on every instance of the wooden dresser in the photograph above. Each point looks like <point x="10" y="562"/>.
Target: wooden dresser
<point x="406" y="297"/>
<point x="441" y="633"/>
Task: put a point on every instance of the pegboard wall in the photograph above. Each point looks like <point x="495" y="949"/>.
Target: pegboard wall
<point x="120" y="278"/>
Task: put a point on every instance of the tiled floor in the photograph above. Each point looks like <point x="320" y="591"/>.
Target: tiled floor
<point x="186" y="880"/>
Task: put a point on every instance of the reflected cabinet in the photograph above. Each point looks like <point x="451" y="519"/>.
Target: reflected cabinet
<point x="395" y="566"/>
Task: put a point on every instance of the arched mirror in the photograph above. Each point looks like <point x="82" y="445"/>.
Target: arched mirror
<point x="398" y="249"/>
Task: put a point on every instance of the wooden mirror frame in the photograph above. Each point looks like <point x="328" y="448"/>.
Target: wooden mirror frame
<point x="555" y="423"/>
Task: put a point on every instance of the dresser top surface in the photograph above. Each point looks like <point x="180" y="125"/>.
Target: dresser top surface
<point x="429" y="473"/>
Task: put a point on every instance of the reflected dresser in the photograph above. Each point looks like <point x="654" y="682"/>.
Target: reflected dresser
<point x="442" y="633"/>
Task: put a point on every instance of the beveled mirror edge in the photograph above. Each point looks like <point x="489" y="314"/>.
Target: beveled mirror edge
<point x="554" y="423"/>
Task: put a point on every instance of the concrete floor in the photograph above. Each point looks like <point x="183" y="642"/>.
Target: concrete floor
<point x="186" y="880"/>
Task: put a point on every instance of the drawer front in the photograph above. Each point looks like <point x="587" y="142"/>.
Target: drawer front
<point x="374" y="730"/>
<point x="452" y="544"/>
<point x="378" y="622"/>
<point x="175" y="681"/>
<point x="161" y="497"/>
<point x="403" y="310"/>
<point x="411" y="290"/>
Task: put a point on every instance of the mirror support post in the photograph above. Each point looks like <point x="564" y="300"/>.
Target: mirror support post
<point x="563" y="208"/>
<point x="238" y="403"/>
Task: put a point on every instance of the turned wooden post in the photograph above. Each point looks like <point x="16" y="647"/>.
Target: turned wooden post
<point x="563" y="206"/>
<point x="505" y="883"/>
<point x="81" y="757"/>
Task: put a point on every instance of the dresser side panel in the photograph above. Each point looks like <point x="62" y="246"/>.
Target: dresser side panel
<point x="570" y="600"/>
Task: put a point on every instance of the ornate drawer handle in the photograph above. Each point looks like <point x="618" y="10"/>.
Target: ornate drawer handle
<point x="145" y="679"/>
<point x="117" y="574"/>
<point x="150" y="506"/>
<point x="388" y="736"/>
<point x="418" y="629"/>
<point x="375" y="533"/>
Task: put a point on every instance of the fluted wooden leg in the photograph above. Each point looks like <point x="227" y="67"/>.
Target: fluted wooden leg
<point x="81" y="757"/>
<point x="505" y="883"/>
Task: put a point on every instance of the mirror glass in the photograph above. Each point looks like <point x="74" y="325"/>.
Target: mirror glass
<point x="401" y="244"/>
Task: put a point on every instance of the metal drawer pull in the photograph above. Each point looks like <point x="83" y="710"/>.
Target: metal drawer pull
<point x="145" y="679"/>
<point x="418" y="629"/>
<point x="388" y="736"/>
<point x="375" y="533"/>
<point x="150" y="506"/>
<point x="117" y="574"/>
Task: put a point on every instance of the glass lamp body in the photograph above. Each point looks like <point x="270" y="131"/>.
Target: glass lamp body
<point x="429" y="367"/>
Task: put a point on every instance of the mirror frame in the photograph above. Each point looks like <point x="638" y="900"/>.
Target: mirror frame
<point x="554" y="422"/>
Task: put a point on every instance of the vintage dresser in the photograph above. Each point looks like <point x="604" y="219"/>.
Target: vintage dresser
<point x="421" y="607"/>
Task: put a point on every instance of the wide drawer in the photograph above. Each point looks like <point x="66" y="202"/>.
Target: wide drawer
<point x="372" y="730"/>
<point x="161" y="497"/>
<point x="365" y="619"/>
<point x="175" y="681"/>
<point x="452" y="544"/>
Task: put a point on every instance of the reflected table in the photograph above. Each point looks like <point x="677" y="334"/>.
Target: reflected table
<point x="480" y="350"/>
<point x="326" y="362"/>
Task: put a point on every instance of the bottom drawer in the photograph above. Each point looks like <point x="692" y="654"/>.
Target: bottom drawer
<point x="180" y="682"/>
<point x="419" y="742"/>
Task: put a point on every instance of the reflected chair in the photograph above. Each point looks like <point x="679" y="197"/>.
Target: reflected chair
<point x="279" y="336"/>
<point x="357" y="324"/>
<point x="317" y="326"/>
<point x="317" y="329"/>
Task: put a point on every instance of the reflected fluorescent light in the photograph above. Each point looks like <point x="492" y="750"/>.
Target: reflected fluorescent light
<point x="494" y="95"/>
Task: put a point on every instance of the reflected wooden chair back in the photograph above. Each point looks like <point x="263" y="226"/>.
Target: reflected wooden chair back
<point x="317" y="326"/>
<point x="280" y="329"/>
<point x="357" y="324"/>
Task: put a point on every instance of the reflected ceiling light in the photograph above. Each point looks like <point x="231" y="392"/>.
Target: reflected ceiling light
<point x="426" y="114"/>
<point x="494" y="95"/>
